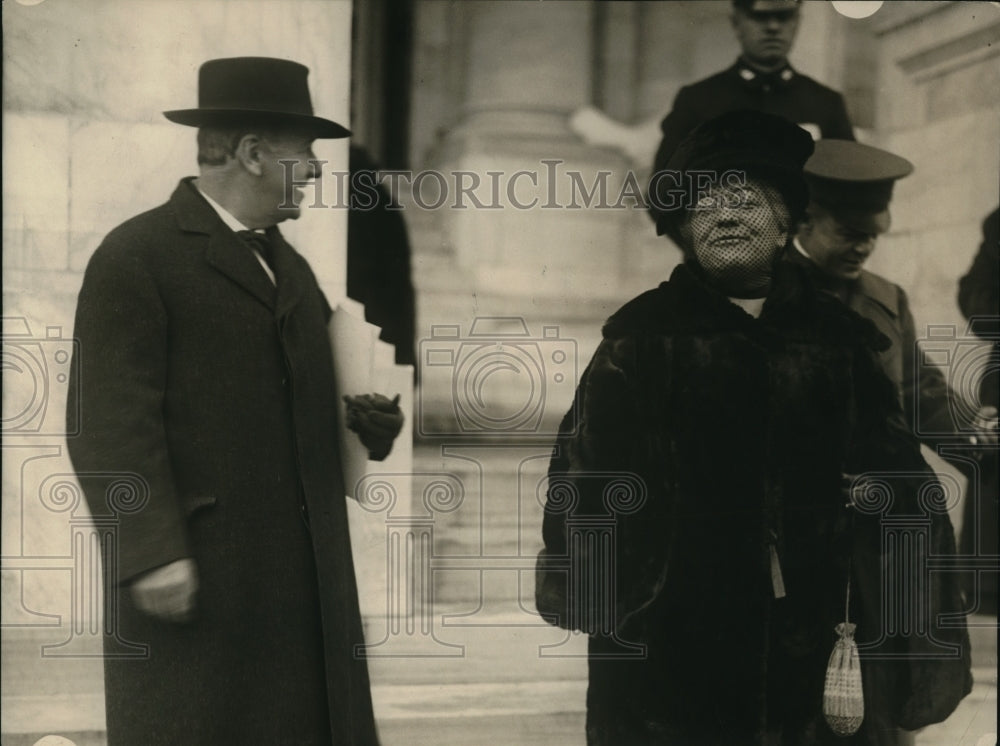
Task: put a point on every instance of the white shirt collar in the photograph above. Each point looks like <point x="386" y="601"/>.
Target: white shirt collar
<point x="227" y="217"/>
<point x="752" y="306"/>
<point x="236" y="226"/>
<point x="800" y="249"/>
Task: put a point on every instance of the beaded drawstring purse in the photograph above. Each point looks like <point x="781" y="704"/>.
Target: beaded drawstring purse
<point x="843" y="698"/>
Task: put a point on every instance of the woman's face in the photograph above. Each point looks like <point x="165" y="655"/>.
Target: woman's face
<point x="736" y="235"/>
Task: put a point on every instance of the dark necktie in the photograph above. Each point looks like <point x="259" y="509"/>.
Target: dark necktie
<point x="259" y="243"/>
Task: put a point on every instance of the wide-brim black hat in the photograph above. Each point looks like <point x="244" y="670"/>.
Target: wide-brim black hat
<point x="257" y="90"/>
<point x="760" y="145"/>
<point x="766" y="6"/>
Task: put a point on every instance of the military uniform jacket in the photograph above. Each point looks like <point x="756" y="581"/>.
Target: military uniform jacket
<point x="923" y="392"/>
<point x="786" y="93"/>
<point x="213" y="390"/>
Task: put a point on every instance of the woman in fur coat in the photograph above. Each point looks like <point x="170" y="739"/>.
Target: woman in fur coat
<point x="702" y="518"/>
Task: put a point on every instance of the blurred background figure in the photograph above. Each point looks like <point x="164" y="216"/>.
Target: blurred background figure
<point x="761" y="79"/>
<point x="979" y="299"/>
<point x="378" y="258"/>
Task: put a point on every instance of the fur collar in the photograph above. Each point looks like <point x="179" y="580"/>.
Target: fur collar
<point x="795" y="310"/>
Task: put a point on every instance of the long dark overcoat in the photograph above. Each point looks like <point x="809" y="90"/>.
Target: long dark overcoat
<point x="708" y="447"/>
<point x="924" y="394"/>
<point x="216" y="390"/>
<point x="979" y="299"/>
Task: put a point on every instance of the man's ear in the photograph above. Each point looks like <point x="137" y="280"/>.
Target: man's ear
<point x="248" y="153"/>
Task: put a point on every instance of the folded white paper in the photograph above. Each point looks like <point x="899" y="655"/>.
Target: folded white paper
<point x="363" y="364"/>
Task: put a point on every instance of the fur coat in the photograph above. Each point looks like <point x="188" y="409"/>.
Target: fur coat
<point x="697" y="529"/>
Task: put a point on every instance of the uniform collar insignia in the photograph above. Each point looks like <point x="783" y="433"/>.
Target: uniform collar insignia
<point x="753" y="77"/>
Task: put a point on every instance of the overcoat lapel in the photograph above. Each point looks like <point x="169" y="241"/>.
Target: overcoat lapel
<point x="226" y="252"/>
<point x="230" y="256"/>
<point x="289" y="272"/>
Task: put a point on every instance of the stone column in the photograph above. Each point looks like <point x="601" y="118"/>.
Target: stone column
<point x="524" y="240"/>
<point x="527" y="68"/>
<point x="937" y="104"/>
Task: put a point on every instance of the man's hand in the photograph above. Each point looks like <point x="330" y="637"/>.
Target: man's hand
<point x="377" y="421"/>
<point x="168" y="592"/>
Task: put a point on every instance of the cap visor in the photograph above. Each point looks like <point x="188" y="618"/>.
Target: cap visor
<point x="873" y="223"/>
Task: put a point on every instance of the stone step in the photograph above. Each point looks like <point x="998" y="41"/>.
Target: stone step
<point x="498" y="642"/>
<point x="983" y="638"/>
<point x="523" y="713"/>
<point x="550" y="729"/>
<point x="427" y="701"/>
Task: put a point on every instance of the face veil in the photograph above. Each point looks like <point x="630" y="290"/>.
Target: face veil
<point x="735" y="234"/>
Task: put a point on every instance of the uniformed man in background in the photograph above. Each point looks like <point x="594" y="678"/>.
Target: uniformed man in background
<point x="850" y="189"/>
<point x="850" y="186"/>
<point x="761" y="79"/>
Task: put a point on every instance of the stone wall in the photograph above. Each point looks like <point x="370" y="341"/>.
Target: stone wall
<point x="938" y="105"/>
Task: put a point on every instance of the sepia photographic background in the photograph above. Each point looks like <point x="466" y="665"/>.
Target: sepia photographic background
<point x="570" y="94"/>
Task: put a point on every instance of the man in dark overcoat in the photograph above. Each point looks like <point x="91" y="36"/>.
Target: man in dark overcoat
<point x="761" y="80"/>
<point x="979" y="300"/>
<point x="206" y="376"/>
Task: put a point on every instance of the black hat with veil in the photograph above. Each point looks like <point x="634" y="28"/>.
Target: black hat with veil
<point x="748" y="143"/>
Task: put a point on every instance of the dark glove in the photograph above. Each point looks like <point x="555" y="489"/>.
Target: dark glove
<point x="377" y="421"/>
